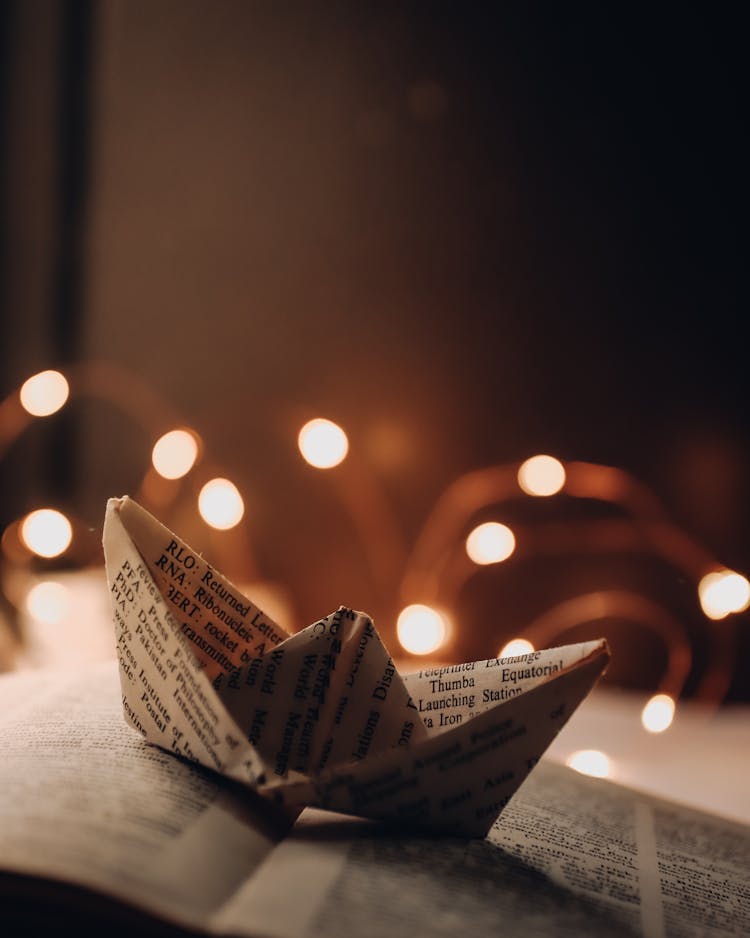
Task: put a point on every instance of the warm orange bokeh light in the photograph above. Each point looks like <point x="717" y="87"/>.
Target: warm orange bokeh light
<point x="220" y="504"/>
<point x="421" y="629"/>
<point x="48" y="602"/>
<point x="515" y="647"/>
<point x="490" y="542"/>
<point x="44" y="393"/>
<point x="590" y="762"/>
<point x="323" y="443"/>
<point x="658" y="713"/>
<point x="723" y="592"/>
<point x="46" y="532"/>
<point x="174" y="453"/>
<point x="541" y="476"/>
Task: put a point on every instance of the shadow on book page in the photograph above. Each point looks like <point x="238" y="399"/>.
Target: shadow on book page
<point x="322" y="717"/>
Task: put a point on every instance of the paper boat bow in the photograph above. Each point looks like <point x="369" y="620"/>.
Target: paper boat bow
<point x="322" y="717"/>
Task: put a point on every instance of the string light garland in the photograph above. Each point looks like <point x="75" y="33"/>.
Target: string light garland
<point x="592" y="762"/>
<point x="44" y="394"/>
<point x="516" y="646"/>
<point x="220" y="504"/>
<point x="450" y="549"/>
<point x="323" y="443"/>
<point x="541" y="476"/>
<point x="421" y="629"/>
<point x="174" y="453"/>
<point x="46" y="532"/>
<point x="489" y="543"/>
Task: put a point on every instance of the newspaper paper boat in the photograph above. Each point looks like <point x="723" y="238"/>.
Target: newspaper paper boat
<point x="323" y="717"/>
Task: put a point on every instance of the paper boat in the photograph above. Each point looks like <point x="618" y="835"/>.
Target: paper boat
<point x="323" y="717"/>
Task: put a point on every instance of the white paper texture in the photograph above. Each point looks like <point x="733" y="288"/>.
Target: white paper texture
<point x="323" y="717"/>
<point x="570" y="856"/>
<point x="85" y="801"/>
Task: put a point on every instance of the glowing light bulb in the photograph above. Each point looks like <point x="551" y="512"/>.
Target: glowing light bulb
<point x="46" y="532"/>
<point x="44" y="393"/>
<point x="323" y="443"/>
<point x="541" y="476"/>
<point x="658" y="713"/>
<point x="590" y="762"/>
<point x="220" y="504"/>
<point x="49" y="602"/>
<point x="491" y="542"/>
<point x="723" y="592"/>
<point x="421" y="629"/>
<point x="516" y="646"/>
<point x="174" y="454"/>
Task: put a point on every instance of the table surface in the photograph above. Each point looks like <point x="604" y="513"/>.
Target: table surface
<point x="702" y="759"/>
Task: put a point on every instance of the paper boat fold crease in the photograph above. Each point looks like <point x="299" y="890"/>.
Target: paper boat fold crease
<point x="323" y="717"/>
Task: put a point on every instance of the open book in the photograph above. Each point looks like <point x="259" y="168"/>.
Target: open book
<point x="323" y="717"/>
<point x="100" y="830"/>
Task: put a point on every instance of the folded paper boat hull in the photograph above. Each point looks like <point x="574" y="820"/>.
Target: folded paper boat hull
<point x="323" y="717"/>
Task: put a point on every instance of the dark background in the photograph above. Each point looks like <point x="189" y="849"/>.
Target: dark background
<point x="466" y="234"/>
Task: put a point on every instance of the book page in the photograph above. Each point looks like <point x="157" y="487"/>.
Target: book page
<point x="682" y="872"/>
<point x="569" y="856"/>
<point x="85" y="800"/>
